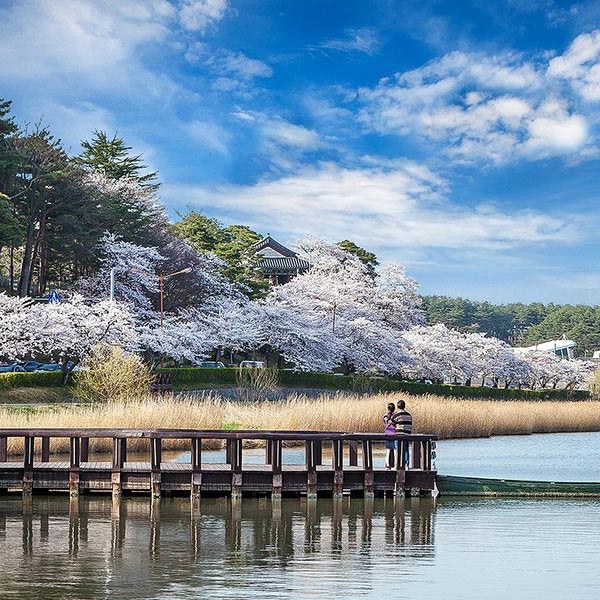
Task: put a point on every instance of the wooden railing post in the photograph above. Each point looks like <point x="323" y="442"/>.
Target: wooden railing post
<point x="28" y="450"/>
<point x="268" y="452"/>
<point x="75" y="460"/>
<point x="228" y="450"/>
<point x="416" y="455"/>
<point x="85" y="449"/>
<point x="155" y="461"/>
<point x="427" y="455"/>
<point x="196" y="467"/>
<point x="353" y="453"/>
<point x="311" y="468"/>
<point x="319" y="452"/>
<point x="338" y="468"/>
<point x="367" y="457"/>
<point x="45" y="457"/>
<point x="277" y="468"/>
<point x="3" y="448"/>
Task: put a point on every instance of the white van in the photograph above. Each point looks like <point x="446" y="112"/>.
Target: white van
<point x="253" y="364"/>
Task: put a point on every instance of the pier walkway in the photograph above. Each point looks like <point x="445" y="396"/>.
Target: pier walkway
<point x="350" y="468"/>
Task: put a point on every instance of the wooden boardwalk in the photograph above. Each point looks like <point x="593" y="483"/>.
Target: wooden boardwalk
<point x="351" y="469"/>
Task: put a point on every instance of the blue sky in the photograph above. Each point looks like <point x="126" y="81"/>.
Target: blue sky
<point x="458" y="138"/>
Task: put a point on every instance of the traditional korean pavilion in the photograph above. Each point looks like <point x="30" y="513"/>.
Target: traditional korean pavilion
<point x="277" y="261"/>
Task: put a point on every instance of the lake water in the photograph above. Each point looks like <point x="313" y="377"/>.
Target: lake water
<point x="92" y="547"/>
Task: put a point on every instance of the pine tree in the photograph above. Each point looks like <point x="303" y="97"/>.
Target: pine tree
<point x="112" y="157"/>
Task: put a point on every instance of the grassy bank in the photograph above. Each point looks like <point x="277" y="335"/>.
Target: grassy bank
<point x="35" y="395"/>
<point x="445" y="417"/>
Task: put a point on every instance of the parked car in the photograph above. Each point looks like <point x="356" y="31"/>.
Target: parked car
<point x="51" y="367"/>
<point x="31" y="365"/>
<point x="253" y="364"/>
<point x="211" y="364"/>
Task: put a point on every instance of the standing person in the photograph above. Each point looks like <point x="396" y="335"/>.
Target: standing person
<point x="402" y="420"/>
<point x="390" y="429"/>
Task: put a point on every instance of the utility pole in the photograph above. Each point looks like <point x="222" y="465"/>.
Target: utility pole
<point x="161" y="279"/>
<point x="112" y="284"/>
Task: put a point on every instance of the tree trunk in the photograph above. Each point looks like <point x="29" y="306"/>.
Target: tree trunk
<point x="66" y="369"/>
<point x="27" y="261"/>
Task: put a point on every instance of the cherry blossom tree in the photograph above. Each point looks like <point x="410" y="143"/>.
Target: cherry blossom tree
<point x="359" y="322"/>
<point x="62" y="332"/>
<point x="130" y="287"/>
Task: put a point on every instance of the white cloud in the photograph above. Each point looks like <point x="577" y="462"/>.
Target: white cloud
<point x="283" y="133"/>
<point x="226" y="62"/>
<point x="209" y="134"/>
<point x="401" y="207"/>
<point x="580" y="66"/>
<point x="199" y="15"/>
<point x="555" y="131"/>
<point x="364" y="39"/>
<point x="45" y="39"/>
<point x="479" y="108"/>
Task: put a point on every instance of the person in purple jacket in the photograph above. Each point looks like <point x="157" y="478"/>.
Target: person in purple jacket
<point x="390" y="429"/>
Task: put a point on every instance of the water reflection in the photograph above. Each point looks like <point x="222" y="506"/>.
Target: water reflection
<point x="95" y="547"/>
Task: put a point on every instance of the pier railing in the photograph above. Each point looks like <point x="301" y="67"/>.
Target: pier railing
<point x="349" y="469"/>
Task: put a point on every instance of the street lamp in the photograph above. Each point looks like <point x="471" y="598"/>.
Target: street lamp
<point x="161" y="279"/>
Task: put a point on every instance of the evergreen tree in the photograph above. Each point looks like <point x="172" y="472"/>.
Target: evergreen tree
<point x="112" y="157"/>
<point x="233" y="245"/>
<point x="9" y="159"/>
<point x="367" y="258"/>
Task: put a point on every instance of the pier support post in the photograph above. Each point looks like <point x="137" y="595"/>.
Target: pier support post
<point x="74" y="468"/>
<point x="277" y="469"/>
<point x="196" y="468"/>
<point x="119" y="451"/>
<point x="400" y="483"/>
<point x="29" y="445"/>
<point x="236" y="467"/>
<point x="338" y="468"/>
<point x="367" y="452"/>
<point x="311" y="468"/>
<point x="156" y="458"/>
<point x="400" y="486"/>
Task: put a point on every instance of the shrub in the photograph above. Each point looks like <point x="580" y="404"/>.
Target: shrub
<point x="329" y="381"/>
<point x="253" y="384"/>
<point x="35" y="379"/>
<point x="110" y="373"/>
<point x="200" y="375"/>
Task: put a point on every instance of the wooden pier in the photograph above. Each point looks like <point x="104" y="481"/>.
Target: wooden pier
<point x="350" y="470"/>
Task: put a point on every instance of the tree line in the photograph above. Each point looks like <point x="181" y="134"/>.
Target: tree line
<point x="519" y="324"/>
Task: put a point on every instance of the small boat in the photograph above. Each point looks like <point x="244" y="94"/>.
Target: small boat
<point x="451" y="485"/>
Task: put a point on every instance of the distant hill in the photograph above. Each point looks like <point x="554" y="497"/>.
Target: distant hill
<point x="518" y="323"/>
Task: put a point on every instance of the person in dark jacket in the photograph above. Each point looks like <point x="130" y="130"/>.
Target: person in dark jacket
<point x="403" y="422"/>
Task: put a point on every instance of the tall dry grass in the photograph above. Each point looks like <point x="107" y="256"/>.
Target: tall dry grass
<point x="445" y="417"/>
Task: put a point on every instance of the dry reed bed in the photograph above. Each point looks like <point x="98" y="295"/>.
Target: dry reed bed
<point x="445" y="417"/>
